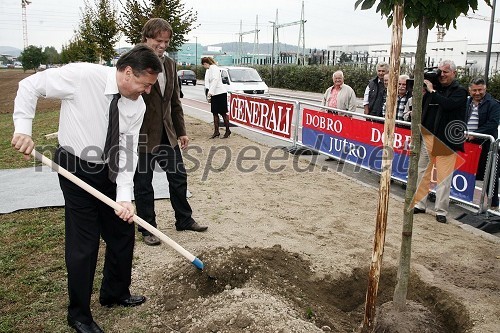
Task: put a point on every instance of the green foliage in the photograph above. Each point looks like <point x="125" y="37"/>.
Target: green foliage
<point x="314" y="78"/>
<point x="309" y="313"/>
<point x="441" y="12"/>
<point x="32" y="57"/>
<point x="79" y="50"/>
<point x="136" y="13"/>
<point x="51" y="55"/>
<point x="99" y="28"/>
<point x="494" y="86"/>
<point x="105" y="29"/>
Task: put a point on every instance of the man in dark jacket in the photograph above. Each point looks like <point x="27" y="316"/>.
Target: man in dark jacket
<point x="483" y="116"/>
<point x="375" y="92"/>
<point x="162" y="128"/>
<point x="443" y="126"/>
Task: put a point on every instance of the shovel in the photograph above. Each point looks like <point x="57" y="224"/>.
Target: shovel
<point x="113" y="204"/>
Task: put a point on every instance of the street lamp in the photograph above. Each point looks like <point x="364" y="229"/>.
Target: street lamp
<point x="490" y="37"/>
<point x="196" y="55"/>
<point x="272" y="51"/>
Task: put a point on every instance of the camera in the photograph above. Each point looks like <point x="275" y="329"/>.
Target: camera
<point x="432" y="74"/>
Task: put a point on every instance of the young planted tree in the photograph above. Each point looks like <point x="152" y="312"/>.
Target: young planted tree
<point x="137" y="12"/>
<point x="387" y="157"/>
<point x="424" y="14"/>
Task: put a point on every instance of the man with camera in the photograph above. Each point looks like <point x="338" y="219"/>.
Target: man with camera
<point x="443" y="126"/>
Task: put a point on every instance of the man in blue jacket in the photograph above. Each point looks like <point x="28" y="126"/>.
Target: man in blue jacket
<point x="483" y="116"/>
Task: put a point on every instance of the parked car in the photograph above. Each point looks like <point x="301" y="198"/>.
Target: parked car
<point x="243" y="80"/>
<point x="186" y="76"/>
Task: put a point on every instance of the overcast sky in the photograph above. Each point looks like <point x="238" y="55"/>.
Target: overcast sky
<point x="52" y="23"/>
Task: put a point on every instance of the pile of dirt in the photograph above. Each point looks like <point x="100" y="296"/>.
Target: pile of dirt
<point x="272" y="290"/>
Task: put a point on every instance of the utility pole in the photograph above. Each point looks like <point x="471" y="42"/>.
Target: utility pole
<point x="240" y="40"/>
<point x="256" y="41"/>
<point x="24" y="3"/>
<point x="490" y="38"/>
<point x="302" y="38"/>
<point x="276" y="27"/>
<point x="275" y="35"/>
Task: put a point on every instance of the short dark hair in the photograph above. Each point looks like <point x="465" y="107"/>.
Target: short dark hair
<point x="142" y="59"/>
<point x="153" y="27"/>
<point x="477" y="81"/>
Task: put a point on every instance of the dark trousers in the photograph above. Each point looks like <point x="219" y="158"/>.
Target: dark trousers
<point x="481" y="168"/>
<point x="86" y="219"/>
<point x="170" y="160"/>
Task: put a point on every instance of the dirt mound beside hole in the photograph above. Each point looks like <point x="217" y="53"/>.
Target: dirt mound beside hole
<point x="245" y="288"/>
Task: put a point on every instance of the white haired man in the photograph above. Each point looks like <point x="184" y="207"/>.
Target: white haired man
<point x="340" y="96"/>
<point x="403" y="97"/>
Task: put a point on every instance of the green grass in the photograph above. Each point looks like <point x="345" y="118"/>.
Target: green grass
<point x="32" y="271"/>
<point x="44" y="123"/>
<point x="33" y="285"/>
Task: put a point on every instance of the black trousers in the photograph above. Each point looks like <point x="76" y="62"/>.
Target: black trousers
<point x="481" y="168"/>
<point x="86" y="219"/>
<point x="170" y="161"/>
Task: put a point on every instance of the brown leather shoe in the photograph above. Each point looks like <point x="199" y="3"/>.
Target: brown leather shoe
<point x="193" y="227"/>
<point x="151" y="240"/>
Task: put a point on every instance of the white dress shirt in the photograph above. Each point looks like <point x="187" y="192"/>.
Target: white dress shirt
<point x="85" y="91"/>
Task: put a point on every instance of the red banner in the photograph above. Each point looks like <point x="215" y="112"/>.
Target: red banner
<point x="265" y="115"/>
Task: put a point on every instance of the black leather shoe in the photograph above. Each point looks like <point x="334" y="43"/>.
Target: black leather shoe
<point x="193" y="227"/>
<point x="151" y="240"/>
<point x="418" y="211"/>
<point x="441" y="218"/>
<point x="84" y="328"/>
<point x="133" y="300"/>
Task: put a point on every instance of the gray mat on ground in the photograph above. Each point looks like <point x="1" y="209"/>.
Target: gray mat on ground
<point x="39" y="187"/>
<point x="490" y="224"/>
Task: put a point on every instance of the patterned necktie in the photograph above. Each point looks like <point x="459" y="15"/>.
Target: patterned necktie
<point x="111" y="147"/>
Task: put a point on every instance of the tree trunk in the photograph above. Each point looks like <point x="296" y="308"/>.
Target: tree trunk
<point x="403" y="276"/>
<point x="385" y="181"/>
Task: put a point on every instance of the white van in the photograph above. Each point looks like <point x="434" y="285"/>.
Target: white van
<point x="243" y="80"/>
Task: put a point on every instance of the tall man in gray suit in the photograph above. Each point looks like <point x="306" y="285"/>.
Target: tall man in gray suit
<point x="161" y="132"/>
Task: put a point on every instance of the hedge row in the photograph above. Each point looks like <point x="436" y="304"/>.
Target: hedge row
<point x="319" y="78"/>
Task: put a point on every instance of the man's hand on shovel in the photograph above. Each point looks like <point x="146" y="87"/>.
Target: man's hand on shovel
<point x="23" y="143"/>
<point x="127" y="212"/>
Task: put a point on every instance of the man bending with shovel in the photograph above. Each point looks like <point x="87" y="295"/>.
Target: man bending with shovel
<point x="101" y="113"/>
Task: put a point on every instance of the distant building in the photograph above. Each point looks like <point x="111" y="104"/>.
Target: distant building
<point x="465" y="55"/>
<point x="188" y="54"/>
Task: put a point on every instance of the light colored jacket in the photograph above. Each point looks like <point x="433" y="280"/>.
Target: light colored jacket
<point x="215" y="85"/>
<point x="346" y="98"/>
